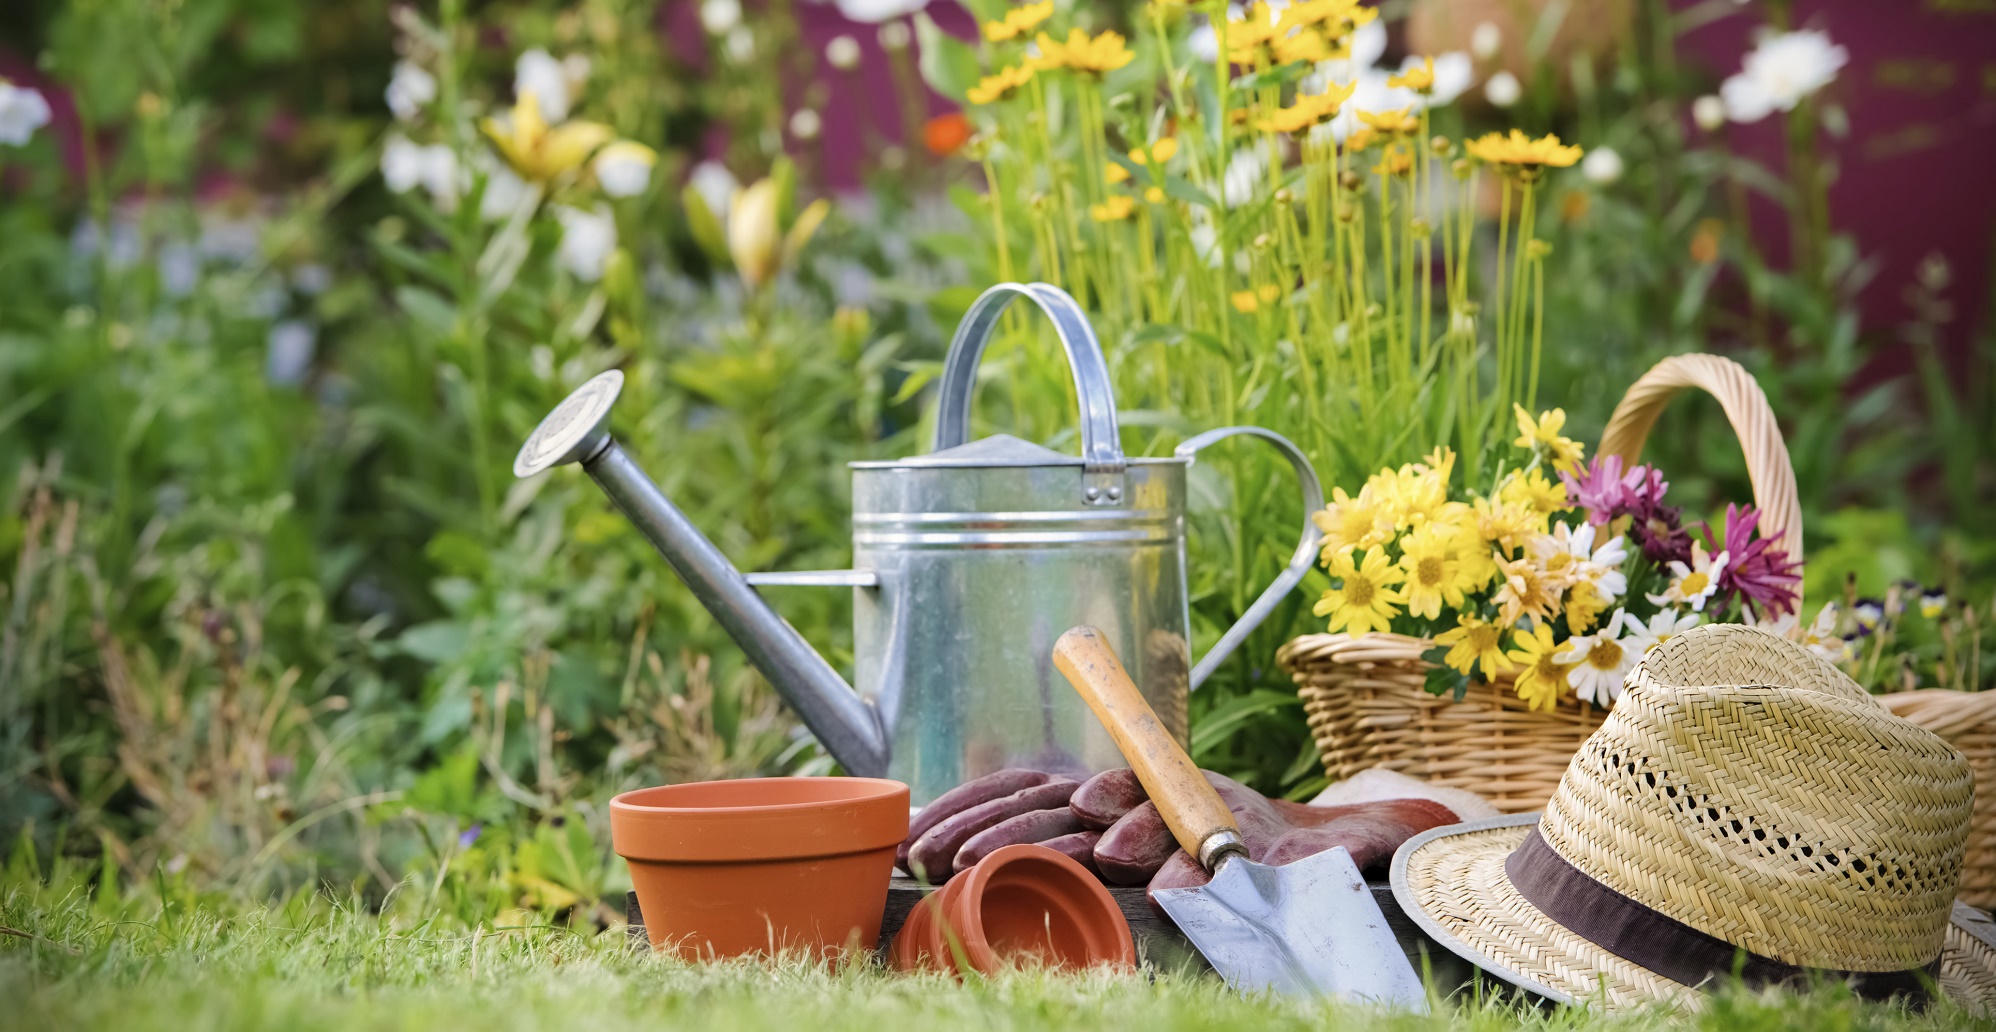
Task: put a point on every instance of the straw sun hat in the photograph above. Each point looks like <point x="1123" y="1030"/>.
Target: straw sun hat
<point x="1745" y="805"/>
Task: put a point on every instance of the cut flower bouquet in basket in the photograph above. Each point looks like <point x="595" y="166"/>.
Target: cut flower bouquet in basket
<point x="1481" y="631"/>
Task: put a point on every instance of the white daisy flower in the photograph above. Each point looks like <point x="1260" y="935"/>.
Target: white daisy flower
<point x="1695" y="584"/>
<point x="1780" y="72"/>
<point x="1600" y="662"/>
<point x="410" y="90"/>
<point x="1663" y="625"/>
<point x="587" y="238"/>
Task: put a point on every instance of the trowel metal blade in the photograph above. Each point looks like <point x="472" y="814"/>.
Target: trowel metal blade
<point x="1310" y="927"/>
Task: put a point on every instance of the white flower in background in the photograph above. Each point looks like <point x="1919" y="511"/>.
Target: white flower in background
<point x="410" y="90"/>
<point x="1485" y="39"/>
<point x="1709" y="112"/>
<point x="289" y="351"/>
<point x="539" y="73"/>
<point x="1663" y="625"/>
<point x="23" y="110"/>
<point x="1601" y="165"/>
<point x="719" y="16"/>
<point x="1244" y="175"/>
<point x="1694" y="585"/>
<point x="624" y="168"/>
<point x="894" y="35"/>
<point x="312" y="279"/>
<point x="740" y="44"/>
<point x="1503" y="90"/>
<point x="874" y="12"/>
<point x="1600" y="661"/>
<point x="179" y="267"/>
<point x="1779" y="72"/>
<point x="587" y="238"/>
<point x="1455" y="73"/>
<point x="716" y="186"/>
<point x="843" y="53"/>
<point x="1203" y="43"/>
<point x="805" y="124"/>
<point x="406" y="165"/>
<point x="505" y="191"/>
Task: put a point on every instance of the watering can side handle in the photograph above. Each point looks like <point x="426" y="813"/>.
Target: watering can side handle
<point x="1299" y="562"/>
<point x="1101" y="444"/>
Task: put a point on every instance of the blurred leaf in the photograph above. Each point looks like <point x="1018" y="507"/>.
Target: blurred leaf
<point x="948" y="64"/>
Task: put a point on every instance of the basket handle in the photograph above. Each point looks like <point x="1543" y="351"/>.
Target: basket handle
<point x="1746" y="408"/>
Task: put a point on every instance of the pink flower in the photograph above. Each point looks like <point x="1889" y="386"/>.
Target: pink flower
<point x="1601" y="489"/>
<point x="1760" y="575"/>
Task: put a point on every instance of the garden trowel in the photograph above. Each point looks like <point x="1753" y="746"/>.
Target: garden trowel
<point x="1310" y="926"/>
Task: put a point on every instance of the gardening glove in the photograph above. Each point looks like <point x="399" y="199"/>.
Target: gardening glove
<point x="968" y="822"/>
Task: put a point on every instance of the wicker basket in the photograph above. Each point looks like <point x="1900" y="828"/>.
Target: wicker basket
<point x="1967" y="719"/>
<point x="1365" y="700"/>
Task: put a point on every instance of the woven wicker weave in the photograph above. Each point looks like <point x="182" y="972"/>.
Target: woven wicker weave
<point x="1364" y="698"/>
<point x="1968" y="721"/>
<point x="1733" y="790"/>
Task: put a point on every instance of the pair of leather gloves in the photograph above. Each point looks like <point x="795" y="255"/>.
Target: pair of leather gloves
<point x="1109" y="824"/>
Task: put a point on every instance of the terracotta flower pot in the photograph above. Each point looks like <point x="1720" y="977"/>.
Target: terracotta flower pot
<point x="724" y="868"/>
<point x="1021" y="903"/>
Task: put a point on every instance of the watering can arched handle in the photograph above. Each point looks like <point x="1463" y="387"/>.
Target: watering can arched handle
<point x="1101" y="445"/>
<point x="1299" y="561"/>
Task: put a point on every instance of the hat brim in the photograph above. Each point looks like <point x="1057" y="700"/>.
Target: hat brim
<point x="1451" y="882"/>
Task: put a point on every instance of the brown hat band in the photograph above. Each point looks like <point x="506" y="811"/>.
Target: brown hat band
<point x="1665" y="945"/>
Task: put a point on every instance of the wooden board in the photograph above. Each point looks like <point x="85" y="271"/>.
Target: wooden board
<point x="1158" y="941"/>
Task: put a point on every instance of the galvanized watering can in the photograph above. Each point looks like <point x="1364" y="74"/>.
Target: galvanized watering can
<point x="968" y="563"/>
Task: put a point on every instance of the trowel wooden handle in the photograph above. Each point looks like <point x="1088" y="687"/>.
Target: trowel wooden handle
<point x="1193" y="811"/>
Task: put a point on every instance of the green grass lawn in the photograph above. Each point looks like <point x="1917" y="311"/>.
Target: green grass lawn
<point x="70" y="962"/>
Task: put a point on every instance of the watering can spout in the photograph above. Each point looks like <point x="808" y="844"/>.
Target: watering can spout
<point x="578" y="431"/>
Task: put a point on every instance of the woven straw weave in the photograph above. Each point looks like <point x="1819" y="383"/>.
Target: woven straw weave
<point x="1968" y="721"/>
<point x="1461" y="881"/>
<point x="1364" y="698"/>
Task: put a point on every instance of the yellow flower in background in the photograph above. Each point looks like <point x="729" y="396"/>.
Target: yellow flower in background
<point x="1474" y="640"/>
<point x="1396" y="160"/>
<point x="1115" y="209"/>
<point x="1000" y="84"/>
<point x="1303" y="46"/>
<point x="1337" y="17"/>
<point x="1543" y="678"/>
<point x="1420" y="78"/>
<point x="1360" y="522"/>
<point x="1520" y="151"/>
<point x="1309" y="110"/>
<point x="1542" y="434"/>
<point x="1433" y="574"/>
<point x="1366" y="601"/>
<point x="1154" y="195"/>
<point x="1532" y="490"/>
<point x="1018" y="21"/>
<point x="1248" y="302"/>
<point x="1160" y="152"/>
<point x="1507" y="524"/>
<point x="1399" y="123"/>
<point x="535" y="150"/>
<point x="1098" y="56"/>
<point x="1359" y="139"/>
<point x="1584" y="604"/>
<point x="1526" y="592"/>
<point x="1249" y="37"/>
<point x="1115" y="174"/>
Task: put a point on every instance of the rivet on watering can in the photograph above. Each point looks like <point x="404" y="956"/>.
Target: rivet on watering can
<point x="1115" y="494"/>
<point x="1093" y="493"/>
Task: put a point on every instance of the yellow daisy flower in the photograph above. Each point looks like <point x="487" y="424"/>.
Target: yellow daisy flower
<point x="1160" y="152"/>
<point x="1359" y="139"/>
<point x="1522" y="152"/>
<point x="1115" y="209"/>
<point x="537" y="151"/>
<point x="1474" y="640"/>
<point x="1309" y="111"/>
<point x="1098" y="55"/>
<point x="1401" y="122"/>
<point x="1434" y="573"/>
<point x="1248" y="302"/>
<point x="1366" y="600"/>
<point x="1338" y="17"/>
<point x="1531" y="489"/>
<point x="1356" y="522"/>
<point x="1506" y="524"/>
<point x="1584" y="605"/>
<point x="1526" y="593"/>
<point x="1018" y="21"/>
<point x="1420" y="78"/>
<point x="1000" y="84"/>
<point x="1543" y="678"/>
<point x="1303" y="46"/>
<point x="1542" y="434"/>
